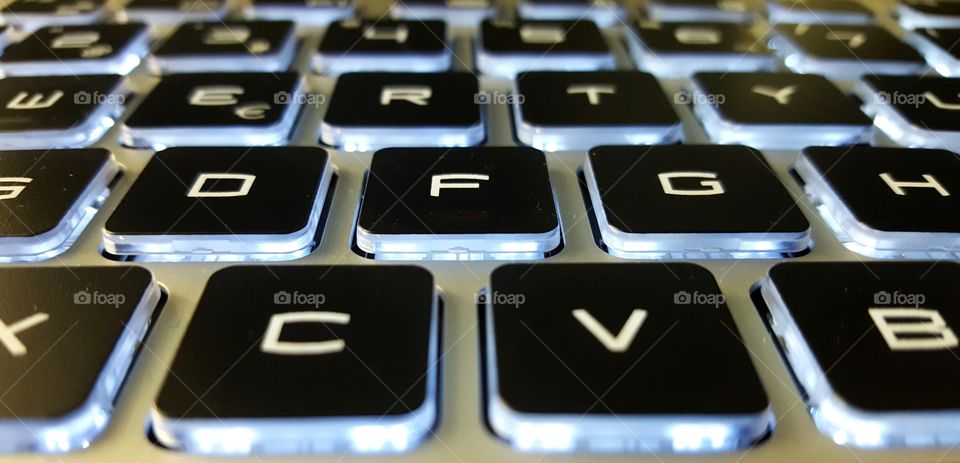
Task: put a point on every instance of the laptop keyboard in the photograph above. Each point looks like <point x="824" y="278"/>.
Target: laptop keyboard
<point x="453" y="230"/>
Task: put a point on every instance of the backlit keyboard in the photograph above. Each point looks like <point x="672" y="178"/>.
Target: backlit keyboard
<point x="467" y="231"/>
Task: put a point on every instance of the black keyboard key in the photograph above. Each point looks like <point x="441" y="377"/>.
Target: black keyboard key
<point x="316" y="13"/>
<point x="227" y="109"/>
<point x="58" y="111"/>
<point x="845" y="52"/>
<point x="915" y="111"/>
<point x="915" y="14"/>
<point x="776" y="110"/>
<point x="572" y="110"/>
<point x="625" y="358"/>
<point x="67" y="339"/>
<point x="938" y="47"/>
<point x="197" y="204"/>
<point x="166" y="13"/>
<point x="72" y="50"/>
<point x="369" y="111"/>
<point x="457" y="13"/>
<point x="458" y="204"/>
<point x="887" y="202"/>
<point x="677" y="50"/>
<point x="49" y="197"/>
<point x="506" y="48"/>
<point x="605" y="13"/>
<point x="874" y="346"/>
<point x="306" y="360"/>
<point x="231" y="46"/>
<point x="842" y="12"/>
<point x="703" y="200"/>
<point x="383" y="45"/>
<point x="30" y="15"/>
<point x="735" y="11"/>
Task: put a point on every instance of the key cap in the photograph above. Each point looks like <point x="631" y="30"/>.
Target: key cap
<point x="874" y="347"/>
<point x="457" y="13"/>
<point x="605" y="13"/>
<point x="776" y="110"/>
<point x="717" y="201"/>
<point x="937" y="46"/>
<point x="915" y="14"/>
<point x="216" y="109"/>
<point x="594" y="367"/>
<point x="844" y="52"/>
<point x="232" y="46"/>
<point x="65" y="352"/>
<point x="841" y="12"/>
<point x="337" y="359"/>
<point x="506" y="48"/>
<point x="915" y="111"/>
<point x="886" y="202"/>
<point x="677" y="50"/>
<point x="393" y="46"/>
<point x="373" y="110"/>
<point x="314" y="13"/>
<point x="563" y="111"/>
<point x="30" y="15"/>
<point x="458" y="204"/>
<point x="49" y="197"/>
<point x="223" y="203"/>
<point x="163" y="14"/>
<point x="73" y="50"/>
<point x="735" y="11"/>
<point x="58" y="111"/>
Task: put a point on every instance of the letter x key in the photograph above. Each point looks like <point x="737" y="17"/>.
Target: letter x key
<point x="8" y="333"/>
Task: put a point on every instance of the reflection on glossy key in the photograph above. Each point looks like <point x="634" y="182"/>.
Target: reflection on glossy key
<point x="776" y="110"/>
<point x="559" y="111"/>
<point x="58" y="111"/>
<point x="617" y="358"/>
<point x="874" y="348"/>
<point x="30" y="15"/>
<point x="937" y="46"/>
<point x="384" y="45"/>
<point x="915" y="111"/>
<point x="736" y="11"/>
<point x="711" y="201"/>
<point x="166" y="13"/>
<point x="232" y="46"/>
<point x="677" y="50"/>
<point x="506" y="48"/>
<point x="457" y="13"/>
<point x="73" y="50"/>
<point x="49" y="197"/>
<point x="217" y="109"/>
<point x="914" y="14"/>
<point x="306" y="360"/>
<point x="847" y="12"/>
<point x="223" y="204"/>
<point x="64" y="353"/>
<point x="605" y="13"/>
<point x="316" y="13"/>
<point x="887" y="202"/>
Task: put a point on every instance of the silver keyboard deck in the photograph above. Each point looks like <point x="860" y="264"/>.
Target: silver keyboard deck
<point x="461" y="435"/>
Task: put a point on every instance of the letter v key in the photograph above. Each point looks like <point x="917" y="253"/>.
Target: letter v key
<point x="623" y="339"/>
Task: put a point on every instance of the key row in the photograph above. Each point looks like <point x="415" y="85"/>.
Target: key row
<point x="626" y="358"/>
<point x="503" y="48"/>
<point x="646" y="202"/>
<point x="553" y="111"/>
